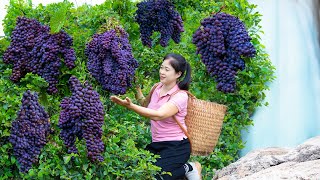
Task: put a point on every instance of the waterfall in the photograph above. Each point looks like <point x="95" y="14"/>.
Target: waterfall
<point x="291" y="39"/>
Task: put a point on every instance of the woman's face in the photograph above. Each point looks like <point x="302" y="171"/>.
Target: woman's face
<point x="167" y="73"/>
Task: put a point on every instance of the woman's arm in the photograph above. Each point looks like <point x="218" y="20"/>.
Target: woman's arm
<point x="165" y="111"/>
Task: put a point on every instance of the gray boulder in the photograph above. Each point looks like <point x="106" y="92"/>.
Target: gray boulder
<point x="302" y="162"/>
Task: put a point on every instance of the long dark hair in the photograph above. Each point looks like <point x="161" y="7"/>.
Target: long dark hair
<point x="180" y="64"/>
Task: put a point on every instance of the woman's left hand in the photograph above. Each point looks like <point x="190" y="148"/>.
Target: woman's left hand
<point x="126" y="102"/>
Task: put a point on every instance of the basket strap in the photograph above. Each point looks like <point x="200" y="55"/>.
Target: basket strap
<point x="148" y="98"/>
<point x="184" y="130"/>
<point x="174" y="117"/>
<point x="189" y="93"/>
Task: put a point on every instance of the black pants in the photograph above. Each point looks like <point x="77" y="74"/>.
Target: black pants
<point x="173" y="155"/>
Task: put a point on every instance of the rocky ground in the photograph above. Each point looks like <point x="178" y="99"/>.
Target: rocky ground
<point x="301" y="163"/>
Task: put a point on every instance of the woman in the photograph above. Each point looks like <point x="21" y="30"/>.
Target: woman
<point x="168" y="139"/>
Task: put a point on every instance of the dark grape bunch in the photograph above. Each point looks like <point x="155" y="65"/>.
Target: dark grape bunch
<point x="29" y="131"/>
<point x="82" y="116"/>
<point x="34" y="49"/>
<point x="110" y="60"/>
<point x="221" y="41"/>
<point x="160" y="16"/>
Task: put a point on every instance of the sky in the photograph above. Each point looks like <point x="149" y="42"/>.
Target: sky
<point x="4" y="3"/>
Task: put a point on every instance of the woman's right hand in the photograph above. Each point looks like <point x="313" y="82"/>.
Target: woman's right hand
<point x="126" y="102"/>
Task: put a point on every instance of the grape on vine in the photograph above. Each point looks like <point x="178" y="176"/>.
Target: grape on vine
<point x="33" y="49"/>
<point x="110" y="60"/>
<point x="222" y="41"/>
<point x="82" y="117"/>
<point x="29" y="131"/>
<point x="160" y="16"/>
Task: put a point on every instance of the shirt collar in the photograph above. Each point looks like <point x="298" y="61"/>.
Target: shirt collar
<point x="171" y="91"/>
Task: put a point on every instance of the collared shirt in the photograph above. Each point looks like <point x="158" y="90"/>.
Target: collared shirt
<point x="168" y="129"/>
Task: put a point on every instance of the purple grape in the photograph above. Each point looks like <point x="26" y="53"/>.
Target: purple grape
<point x="34" y="49"/>
<point x="82" y="117"/>
<point x="110" y="60"/>
<point x="161" y="16"/>
<point x="221" y="40"/>
<point x="29" y="131"/>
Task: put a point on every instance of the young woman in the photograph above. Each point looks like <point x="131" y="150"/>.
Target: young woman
<point x="168" y="139"/>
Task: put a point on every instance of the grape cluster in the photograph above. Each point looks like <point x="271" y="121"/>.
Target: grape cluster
<point x="29" y="131"/>
<point x="160" y="16"/>
<point x="222" y="40"/>
<point x="34" y="49"/>
<point x="82" y="116"/>
<point x="110" y="60"/>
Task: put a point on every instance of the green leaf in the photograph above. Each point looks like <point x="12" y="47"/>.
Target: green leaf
<point x="85" y="167"/>
<point x="58" y="18"/>
<point x="13" y="160"/>
<point x="66" y="159"/>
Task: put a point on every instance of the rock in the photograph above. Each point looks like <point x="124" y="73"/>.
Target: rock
<point x="289" y="170"/>
<point x="302" y="162"/>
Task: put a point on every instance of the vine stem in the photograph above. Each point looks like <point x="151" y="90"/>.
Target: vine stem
<point x="222" y="7"/>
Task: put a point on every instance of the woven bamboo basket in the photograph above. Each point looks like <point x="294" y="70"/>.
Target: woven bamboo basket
<point x="204" y="121"/>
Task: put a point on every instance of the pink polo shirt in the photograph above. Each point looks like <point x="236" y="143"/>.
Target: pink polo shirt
<point x="168" y="129"/>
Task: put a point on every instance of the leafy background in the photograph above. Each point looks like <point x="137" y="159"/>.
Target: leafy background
<point x="125" y="133"/>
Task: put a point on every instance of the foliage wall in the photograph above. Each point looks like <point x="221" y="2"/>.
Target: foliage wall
<point x="125" y="133"/>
